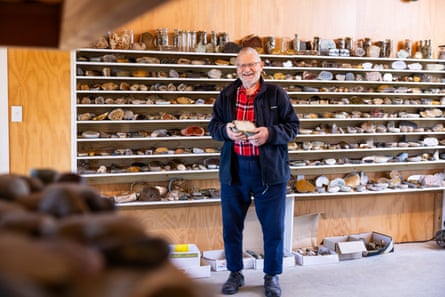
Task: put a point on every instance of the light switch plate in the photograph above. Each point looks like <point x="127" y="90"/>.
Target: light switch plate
<point x="16" y="114"/>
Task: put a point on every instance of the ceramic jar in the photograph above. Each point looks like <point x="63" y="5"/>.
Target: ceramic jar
<point x="270" y="44"/>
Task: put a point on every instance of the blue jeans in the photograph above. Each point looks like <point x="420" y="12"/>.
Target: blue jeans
<point x="269" y="203"/>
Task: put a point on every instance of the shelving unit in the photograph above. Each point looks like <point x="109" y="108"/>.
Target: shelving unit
<point x="348" y="121"/>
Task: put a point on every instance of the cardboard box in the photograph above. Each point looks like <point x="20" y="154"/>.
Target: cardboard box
<point x="346" y="247"/>
<point x="305" y="236"/>
<point x="217" y="260"/>
<point x="257" y="258"/>
<point x="258" y="263"/>
<point x="384" y="242"/>
<point x="253" y="241"/>
<point x="353" y="246"/>
<point x="185" y="255"/>
<point x="304" y="259"/>
<point x="200" y="271"/>
<point x="288" y="260"/>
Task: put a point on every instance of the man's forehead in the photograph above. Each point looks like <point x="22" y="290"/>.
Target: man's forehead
<point x="247" y="57"/>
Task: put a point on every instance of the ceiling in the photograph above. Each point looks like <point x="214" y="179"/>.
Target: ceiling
<point x="65" y="24"/>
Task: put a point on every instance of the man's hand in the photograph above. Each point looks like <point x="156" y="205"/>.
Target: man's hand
<point x="235" y="136"/>
<point x="260" y="137"/>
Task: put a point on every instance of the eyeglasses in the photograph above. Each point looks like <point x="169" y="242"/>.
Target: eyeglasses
<point x="248" y="65"/>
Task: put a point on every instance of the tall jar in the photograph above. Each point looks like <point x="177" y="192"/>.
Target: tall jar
<point x="388" y="48"/>
<point x="442" y="52"/>
<point x="161" y="40"/>
<point x="296" y="43"/>
<point x="269" y="44"/>
<point x="177" y="39"/>
<point x="223" y="38"/>
<point x="212" y="45"/>
<point x="192" y="40"/>
<point x="184" y="39"/>
<point x="316" y="44"/>
<point x="201" y="46"/>
<point x="164" y="37"/>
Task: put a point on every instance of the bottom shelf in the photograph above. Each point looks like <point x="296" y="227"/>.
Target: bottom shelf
<point x="297" y="196"/>
<point x="177" y="191"/>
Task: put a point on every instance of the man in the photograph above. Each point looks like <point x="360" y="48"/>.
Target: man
<point x="253" y="164"/>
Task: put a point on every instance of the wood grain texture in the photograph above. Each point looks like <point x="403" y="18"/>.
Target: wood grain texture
<point x="194" y="224"/>
<point x="39" y="80"/>
<point x="376" y="19"/>
<point x="406" y="217"/>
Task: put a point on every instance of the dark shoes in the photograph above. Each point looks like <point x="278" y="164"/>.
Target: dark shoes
<point x="272" y="286"/>
<point x="236" y="281"/>
<point x="233" y="283"/>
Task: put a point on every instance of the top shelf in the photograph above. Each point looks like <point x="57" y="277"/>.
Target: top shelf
<point x="264" y="56"/>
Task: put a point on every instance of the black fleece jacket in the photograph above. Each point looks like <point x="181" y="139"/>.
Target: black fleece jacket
<point x="273" y="109"/>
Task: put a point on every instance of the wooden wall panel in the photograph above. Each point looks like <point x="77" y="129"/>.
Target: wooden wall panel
<point x="39" y="80"/>
<point x="406" y="217"/>
<point x="377" y="19"/>
<point x="194" y="224"/>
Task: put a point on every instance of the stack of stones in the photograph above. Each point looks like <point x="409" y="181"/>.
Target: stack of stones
<point x="60" y="237"/>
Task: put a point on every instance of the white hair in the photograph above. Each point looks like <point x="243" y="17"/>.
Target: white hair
<point x="248" y="50"/>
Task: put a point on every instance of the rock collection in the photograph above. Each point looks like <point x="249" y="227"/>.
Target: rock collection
<point x="60" y="237"/>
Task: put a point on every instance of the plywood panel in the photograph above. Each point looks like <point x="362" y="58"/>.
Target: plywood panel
<point x="39" y="81"/>
<point x="194" y="224"/>
<point x="377" y="19"/>
<point x="406" y="217"/>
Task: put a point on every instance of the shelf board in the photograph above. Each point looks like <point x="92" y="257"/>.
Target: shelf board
<point x="367" y="94"/>
<point x="122" y="178"/>
<point x="312" y="196"/>
<point x="323" y="135"/>
<point x="163" y="105"/>
<point x="296" y="196"/>
<point x="144" y="139"/>
<point x="374" y="149"/>
<point x="163" y="204"/>
<point x="120" y="92"/>
<point x="154" y="156"/>
<point x="269" y="56"/>
<point x="372" y="167"/>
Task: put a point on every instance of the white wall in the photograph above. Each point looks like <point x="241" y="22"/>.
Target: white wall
<point x="4" y="119"/>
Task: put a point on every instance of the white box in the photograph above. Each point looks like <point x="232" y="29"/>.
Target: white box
<point x="288" y="261"/>
<point x="386" y="243"/>
<point x="354" y="246"/>
<point x="305" y="236"/>
<point x="258" y="261"/>
<point x="200" y="271"/>
<point x="185" y="255"/>
<point x="217" y="260"/>
<point x="303" y="259"/>
<point x="344" y="247"/>
<point x="253" y="241"/>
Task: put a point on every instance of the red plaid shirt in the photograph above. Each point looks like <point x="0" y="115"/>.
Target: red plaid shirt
<point x="245" y="111"/>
